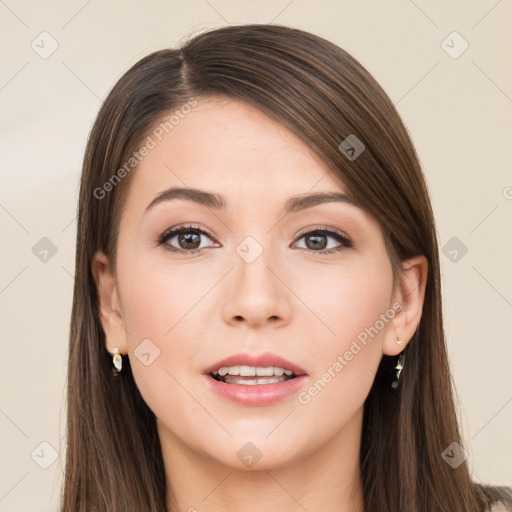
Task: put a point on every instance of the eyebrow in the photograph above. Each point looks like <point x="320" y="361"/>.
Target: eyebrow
<point x="218" y="202"/>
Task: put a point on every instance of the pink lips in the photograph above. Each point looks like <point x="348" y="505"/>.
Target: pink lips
<point x="260" y="394"/>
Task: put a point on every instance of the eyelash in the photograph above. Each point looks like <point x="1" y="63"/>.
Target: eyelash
<point x="339" y="236"/>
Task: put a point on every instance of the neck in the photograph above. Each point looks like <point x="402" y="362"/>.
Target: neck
<point x="327" y="478"/>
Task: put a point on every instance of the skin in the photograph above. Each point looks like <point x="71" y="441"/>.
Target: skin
<point x="202" y="307"/>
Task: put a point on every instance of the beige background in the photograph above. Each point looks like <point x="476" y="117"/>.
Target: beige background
<point x="458" y="111"/>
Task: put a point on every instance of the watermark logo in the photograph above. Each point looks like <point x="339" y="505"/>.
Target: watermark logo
<point x="249" y="454"/>
<point x="249" y="249"/>
<point x="454" y="455"/>
<point x="351" y="147"/>
<point x="44" y="45"/>
<point x="44" y="250"/>
<point x="454" y="45"/>
<point x="147" y="352"/>
<point x="44" y="455"/>
<point x="454" y="249"/>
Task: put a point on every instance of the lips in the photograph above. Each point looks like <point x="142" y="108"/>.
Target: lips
<point x="263" y="391"/>
<point x="264" y="360"/>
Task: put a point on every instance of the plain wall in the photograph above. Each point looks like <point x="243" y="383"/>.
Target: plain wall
<point x="458" y="111"/>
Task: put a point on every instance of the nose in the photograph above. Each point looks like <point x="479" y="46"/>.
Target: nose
<point x="257" y="293"/>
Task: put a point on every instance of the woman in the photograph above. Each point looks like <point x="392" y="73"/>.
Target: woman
<point x="257" y="319"/>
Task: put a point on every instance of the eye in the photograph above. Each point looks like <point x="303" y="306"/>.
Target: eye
<point x="318" y="239"/>
<point x="188" y="239"/>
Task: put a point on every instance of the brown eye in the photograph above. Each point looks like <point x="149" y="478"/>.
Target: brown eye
<point x="187" y="239"/>
<point x="318" y="241"/>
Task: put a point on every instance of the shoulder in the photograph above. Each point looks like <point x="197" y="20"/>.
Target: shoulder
<point x="501" y="507"/>
<point x="497" y="497"/>
<point x="503" y="496"/>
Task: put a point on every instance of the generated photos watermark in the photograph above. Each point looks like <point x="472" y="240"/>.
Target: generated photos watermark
<point x="305" y="397"/>
<point x="151" y="142"/>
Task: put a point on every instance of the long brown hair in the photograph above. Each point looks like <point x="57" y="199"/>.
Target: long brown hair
<point x="321" y="93"/>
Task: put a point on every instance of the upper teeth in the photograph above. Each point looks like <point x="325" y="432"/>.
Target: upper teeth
<point x="248" y="371"/>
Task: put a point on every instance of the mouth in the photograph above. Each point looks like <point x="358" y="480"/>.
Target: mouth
<point x="251" y="375"/>
<point x="255" y="386"/>
<point x="254" y="369"/>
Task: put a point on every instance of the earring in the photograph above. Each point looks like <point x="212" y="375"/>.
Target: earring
<point x="398" y="370"/>
<point x="398" y="341"/>
<point x="117" y="360"/>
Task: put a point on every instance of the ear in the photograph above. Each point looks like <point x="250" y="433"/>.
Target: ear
<point x="109" y="304"/>
<point x="410" y="295"/>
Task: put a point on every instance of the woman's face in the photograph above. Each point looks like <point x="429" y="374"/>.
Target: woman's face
<point x="248" y="278"/>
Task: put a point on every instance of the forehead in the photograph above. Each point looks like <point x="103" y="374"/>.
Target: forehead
<point x="231" y="147"/>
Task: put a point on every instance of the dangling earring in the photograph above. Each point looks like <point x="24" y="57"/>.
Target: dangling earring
<point x="398" y="369"/>
<point x="117" y="360"/>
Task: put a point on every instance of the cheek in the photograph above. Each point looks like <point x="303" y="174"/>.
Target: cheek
<point x="161" y="308"/>
<point x="158" y="297"/>
<point x="158" y="309"/>
<point x="346" y="298"/>
<point x="352" y="312"/>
